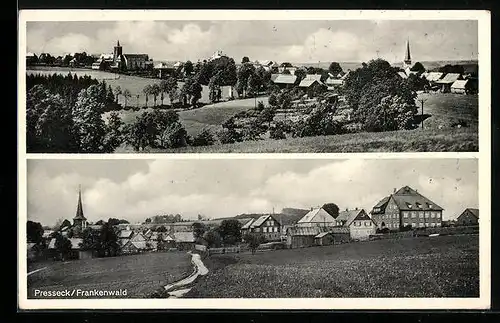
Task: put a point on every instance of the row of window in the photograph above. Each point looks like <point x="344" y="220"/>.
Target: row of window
<point x="366" y="223"/>
<point x="412" y="214"/>
<point x="270" y="229"/>
<point x="414" y="225"/>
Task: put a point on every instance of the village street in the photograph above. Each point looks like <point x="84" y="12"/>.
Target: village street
<point x="174" y="289"/>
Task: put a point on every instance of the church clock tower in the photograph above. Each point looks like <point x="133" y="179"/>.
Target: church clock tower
<point x="117" y="52"/>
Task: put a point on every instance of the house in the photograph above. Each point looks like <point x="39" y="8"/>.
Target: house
<point x="136" y="61"/>
<point x="245" y="229"/>
<point x="469" y="216"/>
<point x="184" y="240"/>
<point x="324" y="239"/>
<point x="285" y="80"/>
<point x="446" y="82"/>
<point x="433" y="77"/>
<point x="302" y="237"/>
<point x="75" y="253"/>
<point x="163" y="70"/>
<point x="406" y="207"/>
<point x="461" y="87"/>
<point x="359" y="223"/>
<point x="268" y="226"/>
<point x="317" y="217"/>
<point x="129" y="248"/>
<point x="31" y="59"/>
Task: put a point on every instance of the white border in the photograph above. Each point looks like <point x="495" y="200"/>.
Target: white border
<point x="484" y="30"/>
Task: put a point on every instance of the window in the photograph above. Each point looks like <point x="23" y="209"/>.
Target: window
<point x="413" y="225"/>
<point x="433" y="215"/>
<point x="421" y="225"/>
<point x="438" y="224"/>
<point x="430" y="206"/>
<point x="421" y="214"/>
<point x="409" y="205"/>
<point x="418" y="205"/>
<point x="257" y="229"/>
<point x="412" y="214"/>
<point x="405" y="214"/>
<point x="264" y="229"/>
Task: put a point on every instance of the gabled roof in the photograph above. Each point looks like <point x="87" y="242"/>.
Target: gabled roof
<point x="356" y="215"/>
<point x="75" y="243"/>
<point x="348" y="216"/>
<point x="305" y="231"/>
<point x="274" y="77"/>
<point x="178" y="64"/>
<point x="403" y="75"/>
<point x="285" y="79"/>
<point x="257" y="223"/>
<point x="474" y="212"/>
<point x="433" y="76"/>
<point x="332" y="81"/>
<point x="145" y="56"/>
<point x="316" y="77"/>
<point x="140" y="244"/>
<point x="124" y="234"/>
<point x="308" y="83"/>
<point x="248" y="224"/>
<point x="184" y="236"/>
<point x="317" y="215"/>
<point x="322" y="234"/>
<point x="459" y="84"/>
<point x="449" y="78"/>
<point x="407" y="198"/>
<point x="138" y="237"/>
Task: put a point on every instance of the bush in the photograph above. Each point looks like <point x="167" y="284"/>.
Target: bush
<point x="174" y="136"/>
<point x="278" y="131"/>
<point x="204" y="138"/>
<point x="229" y="136"/>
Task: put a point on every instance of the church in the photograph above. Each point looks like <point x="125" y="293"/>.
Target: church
<point x="119" y="61"/>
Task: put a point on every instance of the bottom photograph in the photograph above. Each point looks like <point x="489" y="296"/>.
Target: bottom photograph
<point x="251" y="228"/>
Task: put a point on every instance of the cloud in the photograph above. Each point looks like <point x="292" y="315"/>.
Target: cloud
<point x="222" y="188"/>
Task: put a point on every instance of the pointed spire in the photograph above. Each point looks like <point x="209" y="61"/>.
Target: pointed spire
<point x="118" y="43"/>
<point x="407" y="54"/>
<point x="79" y="208"/>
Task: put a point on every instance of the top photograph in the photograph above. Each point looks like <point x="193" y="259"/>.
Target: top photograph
<point x="251" y="86"/>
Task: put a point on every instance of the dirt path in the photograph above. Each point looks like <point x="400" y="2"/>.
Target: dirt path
<point x="175" y="290"/>
<point x="36" y="270"/>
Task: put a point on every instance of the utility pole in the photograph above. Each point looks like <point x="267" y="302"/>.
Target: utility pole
<point x="422" y="100"/>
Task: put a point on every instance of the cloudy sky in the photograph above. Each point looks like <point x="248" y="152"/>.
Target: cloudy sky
<point x="294" y="41"/>
<point x="137" y="189"/>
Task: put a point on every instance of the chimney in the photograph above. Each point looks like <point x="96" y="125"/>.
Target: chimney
<point x="356" y="208"/>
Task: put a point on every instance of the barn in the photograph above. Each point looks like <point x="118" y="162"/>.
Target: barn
<point x="469" y="216"/>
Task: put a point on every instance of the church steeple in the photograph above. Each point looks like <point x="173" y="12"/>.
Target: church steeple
<point x="118" y="43"/>
<point x="79" y="218"/>
<point x="407" y="60"/>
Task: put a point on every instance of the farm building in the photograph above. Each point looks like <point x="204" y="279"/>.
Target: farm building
<point x="285" y="80"/>
<point x="129" y="248"/>
<point x="324" y="239"/>
<point x="469" y="216"/>
<point x="359" y="223"/>
<point x="302" y="237"/>
<point x="406" y="207"/>
<point x="317" y="217"/>
<point x="446" y="82"/>
<point x="268" y="226"/>
<point x="184" y="240"/>
<point x="433" y="76"/>
<point x="163" y="70"/>
<point x="462" y="86"/>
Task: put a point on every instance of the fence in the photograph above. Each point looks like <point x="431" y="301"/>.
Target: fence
<point x="444" y="231"/>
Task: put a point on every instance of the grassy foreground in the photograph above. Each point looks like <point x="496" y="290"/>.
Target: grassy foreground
<point x="435" y="140"/>
<point x="140" y="275"/>
<point x="414" y="267"/>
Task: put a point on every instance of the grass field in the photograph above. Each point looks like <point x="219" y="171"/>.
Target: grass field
<point x="448" y="108"/>
<point x="413" y="267"/>
<point x="464" y="139"/>
<point x="140" y="275"/>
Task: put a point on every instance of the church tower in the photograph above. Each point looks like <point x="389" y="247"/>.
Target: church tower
<point x="79" y="219"/>
<point x="407" y="61"/>
<point x="117" y="52"/>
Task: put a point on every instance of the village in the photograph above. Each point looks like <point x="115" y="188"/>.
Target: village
<point x="404" y="212"/>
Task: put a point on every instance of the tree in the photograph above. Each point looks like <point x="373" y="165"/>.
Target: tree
<point x="331" y="208"/>
<point x="204" y="138"/>
<point x="392" y="113"/>
<point x="113" y="221"/>
<point x="89" y="125"/>
<point x="173" y="136"/>
<point x="213" y="238"/>
<point x="90" y="240"/>
<point x="110" y="97"/>
<point x="34" y="232"/>
<point x="245" y="59"/>
<point x="118" y="92"/>
<point x="448" y="68"/>
<point x="126" y="95"/>
<point x="114" y="135"/>
<point x="199" y="230"/>
<point x="49" y="122"/>
<point x="188" y="68"/>
<point x="278" y="131"/>
<point x="63" y="246"/>
<point x="147" y="91"/>
<point x="155" y="91"/>
<point x="169" y="86"/>
<point x="254" y="241"/>
<point x="335" y="68"/>
<point x="192" y="89"/>
<point x="267" y="115"/>
<point x="230" y="231"/>
<point x="418" y="67"/>
<point x="108" y="241"/>
<point x="301" y="74"/>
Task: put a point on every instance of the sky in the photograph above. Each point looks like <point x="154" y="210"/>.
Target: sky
<point x="293" y="41"/>
<point x="137" y="189"/>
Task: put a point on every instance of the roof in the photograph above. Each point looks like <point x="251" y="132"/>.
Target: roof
<point x="307" y="82"/>
<point x="184" y="236"/>
<point x="449" y="78"/>
<point x="163" y="65"/>
<point x="351" y="215"/>
<point x="125" y="234"/>
<point x="322" y="234"/>
<point x="248" y="224"/>
<point x="274" y="77"/>
<point x="433" y="76"/>
<point x="459" y="84"/>
<point x="79" y="208"/>
<point x="178" y="64"/>
<point x="145" y="56"/>
<point x="318" y="215"/>
<point x="474" y="212"/>
<point x="47" y="233"/>
<point x="407" y="198"/>
<point x="316" y="77"/>
<point x="403" y="75"/>
<point x="285" y="79"/>
<point x="140" y="244"/>
<point x="382" y="204"/>
<point x="332" y="81"/>
<point x="260" y="221"/>
<point x="75" y="243"/>
<point x="305" y="231"/>
<point x="30" y="245"/>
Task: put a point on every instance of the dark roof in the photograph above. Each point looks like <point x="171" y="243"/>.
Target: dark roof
<point x="350" y="215"/>
<point x="406" y="199"/>
<point x="474" y="212"/>
<point x="79" y="208"/>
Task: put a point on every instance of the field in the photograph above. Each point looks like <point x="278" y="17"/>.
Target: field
<point x="448" y="108"/>
<point x="140" y="275"/>
<point x="450" y="139"/>
<point x="134" y="84"/>
<point x="412" y="267"/>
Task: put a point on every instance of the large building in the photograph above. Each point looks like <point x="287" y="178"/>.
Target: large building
<point x="406" y="207"/>
<point x="118" y="60"/>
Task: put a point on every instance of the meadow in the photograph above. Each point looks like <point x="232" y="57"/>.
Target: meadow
<point x="449" y="108"/>
<point x="140" y="275"/>
<point x="435" y="140"/>
<point x="445" y="266"/>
